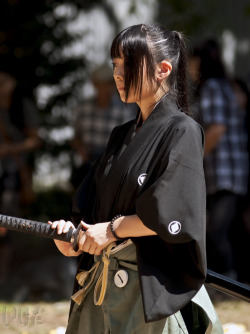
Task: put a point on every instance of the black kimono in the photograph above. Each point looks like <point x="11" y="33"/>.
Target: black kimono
<point x="155" y="172"/>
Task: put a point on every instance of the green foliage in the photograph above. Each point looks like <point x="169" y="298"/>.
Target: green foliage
<point x="191" y="17"/>
<point x="33" y="35"/>
<point x="33" y="38"/>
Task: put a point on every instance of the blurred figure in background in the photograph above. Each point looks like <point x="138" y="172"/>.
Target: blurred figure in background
<point x="242" y="93"/>
<point x="241" y="234"/>
<point x="19" y="123"/>
<point x="94" y="120"/>
<point x="226" y="154"/>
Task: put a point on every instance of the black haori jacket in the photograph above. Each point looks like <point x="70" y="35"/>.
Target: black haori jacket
<point x="155" y="172"/>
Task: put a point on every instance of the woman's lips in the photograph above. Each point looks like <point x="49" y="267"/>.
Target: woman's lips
<point x="120" y="88"/>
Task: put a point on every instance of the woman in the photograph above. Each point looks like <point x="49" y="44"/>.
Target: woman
<point x="225" y="153"/>
<point x="147" y="188"/>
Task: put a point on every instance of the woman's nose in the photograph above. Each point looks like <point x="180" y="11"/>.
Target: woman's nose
<point x="118" y="73"/>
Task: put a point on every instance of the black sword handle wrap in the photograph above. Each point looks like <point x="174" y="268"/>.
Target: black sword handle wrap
<point x="34" y="227"/>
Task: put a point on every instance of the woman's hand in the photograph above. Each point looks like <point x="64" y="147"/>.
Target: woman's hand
<point x="99" y="236"/>
<point x="96" y="237"/>
<point x="66" y="248"/>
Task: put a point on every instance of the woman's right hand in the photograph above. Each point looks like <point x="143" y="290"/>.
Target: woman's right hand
<point x="66" y="248"/>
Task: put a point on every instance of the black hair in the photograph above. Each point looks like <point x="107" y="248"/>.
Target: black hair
<point x="150" y="44"/>
<point x="211" y="64"/>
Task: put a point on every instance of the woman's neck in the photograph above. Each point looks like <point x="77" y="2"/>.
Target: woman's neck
<point x="147" y="107"/>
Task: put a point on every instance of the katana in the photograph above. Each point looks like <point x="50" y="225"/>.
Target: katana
<point x="214" y="280"/>
<point x="40" y="229"/>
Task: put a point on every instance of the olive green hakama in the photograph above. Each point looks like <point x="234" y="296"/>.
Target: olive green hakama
<point x="121" y="311"/>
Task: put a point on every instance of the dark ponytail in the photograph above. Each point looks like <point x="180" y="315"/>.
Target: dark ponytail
<point x="181" y="75"/>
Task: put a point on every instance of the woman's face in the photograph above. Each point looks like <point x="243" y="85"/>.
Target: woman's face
<point x="194" y="64"/>
<point x="133" y="96"/>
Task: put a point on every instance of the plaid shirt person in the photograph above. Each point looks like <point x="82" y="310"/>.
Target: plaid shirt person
<point x="226" y="167"/>
<point x="93" y="125"/>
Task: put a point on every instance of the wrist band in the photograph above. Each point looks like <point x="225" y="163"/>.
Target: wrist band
<point x="112" y="227"/>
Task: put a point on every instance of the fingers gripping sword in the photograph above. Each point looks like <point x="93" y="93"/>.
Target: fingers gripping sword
<point x="40" y="229"/>
<point x="213" y="279"/>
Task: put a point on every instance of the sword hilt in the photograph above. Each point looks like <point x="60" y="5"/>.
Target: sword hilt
<point x="35" y="228"/>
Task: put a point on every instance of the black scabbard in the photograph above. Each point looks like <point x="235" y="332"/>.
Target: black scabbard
<point x="227" y="285"/>
<point x="35" y="228"/>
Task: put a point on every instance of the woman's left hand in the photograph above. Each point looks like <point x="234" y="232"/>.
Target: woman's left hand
<point x="96" y="238"/>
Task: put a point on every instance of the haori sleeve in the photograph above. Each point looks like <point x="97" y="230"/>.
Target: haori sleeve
<point x="172" y="203"/>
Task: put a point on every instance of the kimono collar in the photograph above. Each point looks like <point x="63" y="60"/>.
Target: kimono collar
<point x="164" y="107"/>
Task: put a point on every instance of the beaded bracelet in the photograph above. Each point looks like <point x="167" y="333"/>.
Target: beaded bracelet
<point x="112" y="227"/>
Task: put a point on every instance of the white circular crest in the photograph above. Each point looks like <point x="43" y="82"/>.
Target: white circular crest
<point x="174" y="227"/>
<point x="121" y="278"/>
<point x="141" y="179"/>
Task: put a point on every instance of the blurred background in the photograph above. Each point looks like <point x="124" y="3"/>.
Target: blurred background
<point x="49" y="51"/>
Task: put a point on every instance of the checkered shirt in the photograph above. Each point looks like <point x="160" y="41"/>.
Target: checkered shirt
<point x="94" y="125"/>
<point x="226" y="167"/>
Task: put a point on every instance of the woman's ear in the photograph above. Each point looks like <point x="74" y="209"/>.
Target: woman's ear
<point x="164" y="68"/>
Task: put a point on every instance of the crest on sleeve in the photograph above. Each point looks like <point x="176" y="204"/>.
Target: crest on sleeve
<point x="141" y="179"/>
<point x="174" y="227"/>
